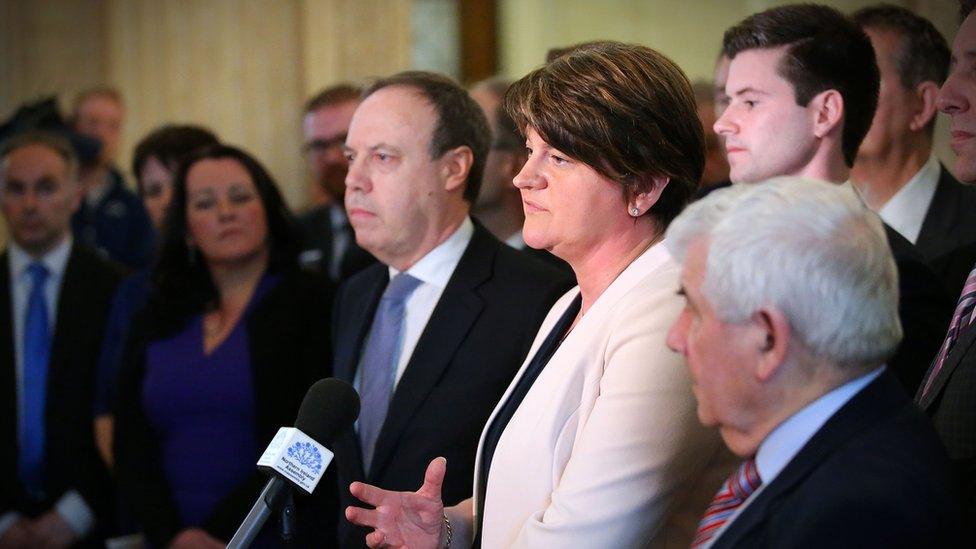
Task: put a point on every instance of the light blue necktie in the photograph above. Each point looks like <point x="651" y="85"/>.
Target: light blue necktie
<point x="36" y="349"/>
<point x="380" y="360"/>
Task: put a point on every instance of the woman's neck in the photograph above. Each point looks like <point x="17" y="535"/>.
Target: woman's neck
<point x="600" y="266"/>
<point x="235" y="283"/>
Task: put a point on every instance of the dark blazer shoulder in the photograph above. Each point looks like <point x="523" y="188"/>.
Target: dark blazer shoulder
<point x="949" y="222"/>
<point x="874" y="471"/>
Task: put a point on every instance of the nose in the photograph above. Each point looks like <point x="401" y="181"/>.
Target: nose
<point x="225" y="208"/>
<point x="30" y="200"/>
<point x="951" y="99"/>
<point x="528" y="177"/>
<point x="677" y="334"/>
<point x="723" y="126"/>
<point x="356" y="176"/>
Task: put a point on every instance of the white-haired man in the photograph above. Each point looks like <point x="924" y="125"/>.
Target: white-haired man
<point x="791" y="312"/>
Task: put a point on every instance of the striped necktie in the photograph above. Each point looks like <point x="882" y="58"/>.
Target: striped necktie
<point x="960" y="320"/>
<point x="736" y="489"/>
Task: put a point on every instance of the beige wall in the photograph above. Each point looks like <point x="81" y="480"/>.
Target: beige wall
<point x="241" y="67"/>
<point x="688" y="31"/>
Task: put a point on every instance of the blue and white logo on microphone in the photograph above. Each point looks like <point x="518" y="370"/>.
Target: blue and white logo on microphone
<point x="307" y="455"/>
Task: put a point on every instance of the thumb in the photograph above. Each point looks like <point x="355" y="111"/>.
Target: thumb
<point x="434" y="478"/>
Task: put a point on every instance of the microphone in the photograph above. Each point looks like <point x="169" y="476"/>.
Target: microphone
<point x="297" y="456"/>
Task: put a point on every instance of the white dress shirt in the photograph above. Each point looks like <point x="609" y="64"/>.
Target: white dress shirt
<point x="71" y="506"/>
<point x="789" y="437"/>
<point x="516" y="241"/>
<point x="905" y="211"/>
<point x="434" y="270"/>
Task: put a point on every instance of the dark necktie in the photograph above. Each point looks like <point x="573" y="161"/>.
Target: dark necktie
<point x="960" y="320"/>
<point x="736" y="489"/>
<point x="36" y="351"/>
<point x="380" y="360"/>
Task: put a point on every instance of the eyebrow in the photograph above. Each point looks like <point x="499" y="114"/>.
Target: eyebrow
<point x="749" y="89"/>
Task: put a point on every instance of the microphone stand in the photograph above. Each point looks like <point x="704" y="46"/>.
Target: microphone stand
<point x="276" y="492"/>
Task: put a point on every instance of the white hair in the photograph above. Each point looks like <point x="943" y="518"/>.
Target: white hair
<point x="808" y="248"/>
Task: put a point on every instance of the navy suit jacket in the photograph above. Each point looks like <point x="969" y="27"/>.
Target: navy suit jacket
<point x="875" y="475"/>
<point x="950" y="221"/>
<point x="72" y="460"/>
<point x="475" y="341"/>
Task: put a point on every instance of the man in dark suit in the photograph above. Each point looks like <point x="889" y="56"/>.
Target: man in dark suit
<point x="330" y="245"/>
<point x="793" y="375"/>
<point x="54" y="298"/>
<point x="895" y="170"/>
<point x="431" y="336"/>
<point x="802" y="96"/>
<point x="499" y="204"/>
<point x="948" y="393"/>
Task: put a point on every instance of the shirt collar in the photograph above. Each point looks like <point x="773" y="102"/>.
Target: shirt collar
<point x="438" y="265"/>
<point x="55" y="260"/>
<point x="516" y="241"/>
<point x="905" y="211"/>
<point x="789" y="437"/>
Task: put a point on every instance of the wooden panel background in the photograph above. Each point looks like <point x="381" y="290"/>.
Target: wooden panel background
<point x="242" y="67"/>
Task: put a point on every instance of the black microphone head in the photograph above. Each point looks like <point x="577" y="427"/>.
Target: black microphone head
<point x="329" y="408"/>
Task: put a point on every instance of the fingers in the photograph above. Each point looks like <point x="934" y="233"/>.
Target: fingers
<point x="370" y="494"/>
<point x="434" y="478"/>
<point x="375" y="539"/>
<point x="363" y="517"/>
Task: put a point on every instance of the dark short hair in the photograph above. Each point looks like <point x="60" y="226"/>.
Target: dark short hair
<point x="626" y="111"/>
<point x="55" y="142"/>
<point x="826" y="51"/>
<point x="333" y="95"/>
<point x="460" y="121"/>
<point x="923" y="54"/>
<point x="965" y="8"/>
<point x="182" y="286"/>
<point x="169" y="144"/>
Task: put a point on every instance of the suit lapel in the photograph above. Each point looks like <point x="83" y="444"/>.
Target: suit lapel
<point x="8" y="389"/>
<point x="71" y="299"/>
<point x="954" y="358"/>
<point x="876" y="400"/>
<point x="940" y="215"/>
<point x="355" y="324"/>
<point x="452" y="318"/>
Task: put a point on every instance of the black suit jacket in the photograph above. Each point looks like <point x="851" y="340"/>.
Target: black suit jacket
<point x="875" y="475"/>
<point x="950" y="221"/>
<point x="475" y="341"/>
<point x="288" y="337"/>
<point x="924" y="309"/>
<point x="72" y="461"/>
<point x="951" y="404"/>
<point x="317" y="228"/>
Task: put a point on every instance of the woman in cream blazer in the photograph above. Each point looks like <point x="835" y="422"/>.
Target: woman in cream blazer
<point x="596" y="443"/>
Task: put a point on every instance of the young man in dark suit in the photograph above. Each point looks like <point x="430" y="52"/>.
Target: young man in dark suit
<point x="895" y="170"/>
<point x="54" y="298"/>
<point x="793" y="373"/>
<point x="948" y="392"/>
<point x="431" y="336"/>
<point x="803" y="86"/>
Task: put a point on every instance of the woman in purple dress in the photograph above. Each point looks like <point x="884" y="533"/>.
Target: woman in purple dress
<point x="232" y="337"/>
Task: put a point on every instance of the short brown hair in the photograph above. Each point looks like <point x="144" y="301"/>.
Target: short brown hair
<point x="53" y="141"/>
<point x="625" y="110"/>
<point x="333" y="95"/>
<point x="170" y="145"/>
<point x="460" y="121"/>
